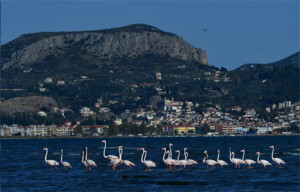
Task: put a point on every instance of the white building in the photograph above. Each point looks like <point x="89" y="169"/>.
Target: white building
<point x="48" y="80"/>
<point x="42" y="114"/>
<point x="85" y="111"/>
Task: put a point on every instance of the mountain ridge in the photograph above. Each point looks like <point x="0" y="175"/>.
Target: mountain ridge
<point x="129" y="41"/>
<point x="293" y="59"/>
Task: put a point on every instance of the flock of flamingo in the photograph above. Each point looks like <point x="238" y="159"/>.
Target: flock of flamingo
<point x="169" y="161"/>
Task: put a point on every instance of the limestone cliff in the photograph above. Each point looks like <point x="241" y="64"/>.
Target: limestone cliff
<point x="125" y="42"/>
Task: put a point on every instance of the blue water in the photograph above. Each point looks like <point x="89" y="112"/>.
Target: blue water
<point x="23" y="167"/>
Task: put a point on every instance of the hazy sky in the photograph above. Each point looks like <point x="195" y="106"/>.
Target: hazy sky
<point x="239" y="32"/>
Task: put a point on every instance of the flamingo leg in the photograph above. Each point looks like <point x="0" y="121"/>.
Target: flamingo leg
<point x="57" y="168"/>
<point x="114" y="167"/>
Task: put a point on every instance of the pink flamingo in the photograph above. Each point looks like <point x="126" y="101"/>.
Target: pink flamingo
<point x="170" y="161"/>
<point x="115" y="161"/>
<point x="209" y="162"/>
<point x="108" y="156"/>
<point x="64" y="163"/>
<point x="52" y="163"/>
<point x="247" y="161"/>
<point x="220" y="162"/>
<point x="262" y="162"/>
<point x="148" y="163"/>
<point x="235" y="161"/>
<point x="126" y="162"/>
<point x="278" y="161"/>
<point x="89" y="162"/>
<point x="165" y="161"/>
<point x="190" y="161"/>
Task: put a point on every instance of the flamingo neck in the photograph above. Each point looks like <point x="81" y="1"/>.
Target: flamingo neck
<point x="243" y="155"/>
<point x="104" y="150"/>
<point x="218" y="155"/>
<point x="170" y="154"/>
<point x="230" y="154"/>
<point x="120" y="154"/>
<point x="86" y="153"/>
<point x="145" y="156"/>
<point x="272" y="153"/>
<point x="46" y="155"/>
<point x="142" y="156"/>
<point x="61" y="156"/>
<point x="82" y="157"/>
<point x="185" y="156"/>
<point x="164" y="155"/>
<point x="204" y="159"/>
<point x="258" y="158"/>
<point x="178" y="156"/>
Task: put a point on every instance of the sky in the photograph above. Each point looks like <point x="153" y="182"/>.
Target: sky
<point x="239" y="32"/>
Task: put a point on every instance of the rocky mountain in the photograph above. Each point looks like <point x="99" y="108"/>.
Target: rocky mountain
<point x="128" y="68"/>
<point x="126" y="42"/>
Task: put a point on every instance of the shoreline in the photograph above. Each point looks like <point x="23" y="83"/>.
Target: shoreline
<point x="94" y="137"/>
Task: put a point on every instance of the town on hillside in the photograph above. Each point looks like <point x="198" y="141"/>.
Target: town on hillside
<point x="175" y="118"/>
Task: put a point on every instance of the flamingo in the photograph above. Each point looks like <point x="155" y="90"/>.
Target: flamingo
<point x="177" y="162"/>
<point x="170" y="160"/>
<point x="89" y="162"/>
<point x="220" y="162"/>
<point x="115" y="161"/>
<point x="181" y="162"/>
<point x="247" y="161"/>
<point x="164" y="160"/>
<point x="108" y="156"/>
<point x="278" y="161"/>
<point x="148" y="163"/>
<point x="262" y="162"/>
<point x="64" y="163"/>
<point x="209" y="162"/>
<point x="190" y="161"/>
<point x="235" y="161"/>
<point x="126" y="162"/>
<point x="184" y="162"/>
<point x="83" y="161"/>
<point x="52" y="163"/>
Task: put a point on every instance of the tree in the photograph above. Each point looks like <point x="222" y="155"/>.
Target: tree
<point x="78" y="130"/>
<point x="205" y="128"/>
<point x="223" y="69"/>
<point x="112" y="130"/>
<point x="294" y="128"/>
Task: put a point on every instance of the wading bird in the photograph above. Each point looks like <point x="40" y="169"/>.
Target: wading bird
<point x="220" y="162"/>
<point x="278" y="161"/>
<point x="262" y="162"/>
<point x="209" y="162"/>
<point x="126" y="162"/>
<point x="247" y="161"/>
<point x="149" y="164"/>
<point x="52" y="163"/>
<point x="89" y="162"/>
<point x="64" y="163"/>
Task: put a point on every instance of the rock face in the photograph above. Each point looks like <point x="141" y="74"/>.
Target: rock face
<point x="128" y="42"/>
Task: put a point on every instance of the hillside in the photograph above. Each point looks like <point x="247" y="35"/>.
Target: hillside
<point x="293" y="60"/>
<point x="129" y="66"/>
